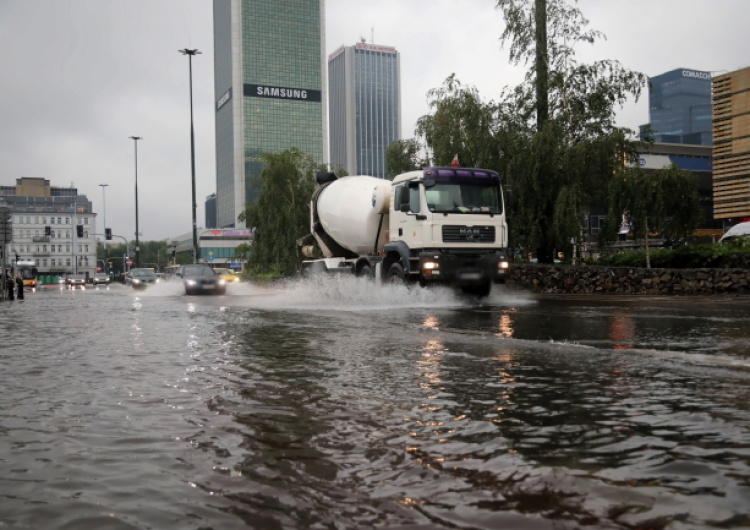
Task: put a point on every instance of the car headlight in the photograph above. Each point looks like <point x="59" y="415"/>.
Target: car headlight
<point x="136" y="281"/>
<point x="190" y="282"/>
<point x="221" y="282"/>
<point x="502" y="265"/>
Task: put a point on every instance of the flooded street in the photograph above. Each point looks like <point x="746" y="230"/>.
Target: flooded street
<point x="335" y="404"/>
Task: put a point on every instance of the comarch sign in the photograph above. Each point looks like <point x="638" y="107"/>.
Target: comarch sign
<point x="696" y="74"/>
<point x="278" y="92"/>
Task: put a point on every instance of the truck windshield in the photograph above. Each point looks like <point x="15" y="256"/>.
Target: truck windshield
<point x="467" y="197"/>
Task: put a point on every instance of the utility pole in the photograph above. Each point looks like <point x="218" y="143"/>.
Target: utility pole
<point x="190" y="54"/>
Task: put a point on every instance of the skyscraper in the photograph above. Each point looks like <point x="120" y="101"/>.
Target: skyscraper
<point x="268" y="80"/>
<point x="365" y="107"/>
<point x="731" y="177"/>
<point x="680" y="107"/>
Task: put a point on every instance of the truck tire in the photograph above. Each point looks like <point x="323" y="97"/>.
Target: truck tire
<point x="365" y="271"/>
<point x="396" y="274"/>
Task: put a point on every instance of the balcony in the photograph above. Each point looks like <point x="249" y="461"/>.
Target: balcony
<point x="40" y="239"/>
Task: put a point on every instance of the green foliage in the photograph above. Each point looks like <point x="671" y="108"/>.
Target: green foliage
<point x="558" y="168"/>
<point x="281" y="214"/>
<point x="265" y="274"/>
<point x="727" y="255"/>
<point x="460" y="124"/>
<point x="570" y="156"/>
<point x="401" y="156"/>
<point x="665" y="201"/>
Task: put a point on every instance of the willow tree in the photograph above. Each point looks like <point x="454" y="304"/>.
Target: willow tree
<point x="460" y="124"/>
<point x="401" y="156"/>
<point x="563" y="144"/>
<point x="665" y="201"/>
<point x="281" y="214"/>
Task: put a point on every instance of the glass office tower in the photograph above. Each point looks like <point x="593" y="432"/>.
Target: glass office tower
<point x="365" y="107"/>
<point x="268" y="81"/>
<point x="680" y="107"/>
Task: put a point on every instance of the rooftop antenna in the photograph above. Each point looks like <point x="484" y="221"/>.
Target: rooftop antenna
<point x="372" y="35"/>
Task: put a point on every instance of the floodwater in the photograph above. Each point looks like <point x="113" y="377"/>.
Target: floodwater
<point x="339" y="404"/>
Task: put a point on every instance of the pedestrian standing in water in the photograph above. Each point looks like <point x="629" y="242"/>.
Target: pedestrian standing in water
<point x="19" y="287"/>
<point x="10" y="286"/>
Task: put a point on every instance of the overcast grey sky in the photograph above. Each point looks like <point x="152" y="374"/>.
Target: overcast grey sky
<point x="81" y="76"/>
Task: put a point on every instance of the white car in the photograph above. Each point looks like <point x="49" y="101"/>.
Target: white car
<point x="100" y="278"/>
<point x="76" y="280"/>
<point x="738" y="230"/>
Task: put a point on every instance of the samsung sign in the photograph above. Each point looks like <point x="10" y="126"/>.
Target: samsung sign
<point x="696" y="74"/>
<point x="223" y="99"/>
<point x="277" y="92"/>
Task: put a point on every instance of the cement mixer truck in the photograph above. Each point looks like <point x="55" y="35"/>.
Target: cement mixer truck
<point x="437" y="225"/>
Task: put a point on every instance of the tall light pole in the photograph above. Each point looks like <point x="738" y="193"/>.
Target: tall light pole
<point x="137" y="248"/>
<point x="190" y="54"/>
<point x="104" y="211"/>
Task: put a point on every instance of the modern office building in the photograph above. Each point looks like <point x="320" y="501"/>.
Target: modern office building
<point x="680" y="107"/>
<point x="365" y="107"/>
<point x="269" y="60"/>
<point x="44" y="227"/>
<point x="731" y="154"/>
<point x="215" y="246"/>
<point x="210" y="207"/>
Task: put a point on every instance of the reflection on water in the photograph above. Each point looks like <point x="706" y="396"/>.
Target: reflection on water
<point x="621" y="331"/>
<point x="340" y="405"/>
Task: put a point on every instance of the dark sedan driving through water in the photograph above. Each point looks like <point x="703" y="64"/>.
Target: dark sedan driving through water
<point x="201" y="279"/>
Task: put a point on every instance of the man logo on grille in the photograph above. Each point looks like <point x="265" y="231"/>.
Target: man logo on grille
<point x="470" y="233"/>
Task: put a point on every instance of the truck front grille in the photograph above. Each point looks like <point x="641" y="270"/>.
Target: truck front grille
<point x="468" y="234"/>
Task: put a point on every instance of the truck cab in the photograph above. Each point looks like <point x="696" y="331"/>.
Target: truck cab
<point x="448" y="225"/>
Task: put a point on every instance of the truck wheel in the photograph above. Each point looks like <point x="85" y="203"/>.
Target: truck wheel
<point x="396" y="274"/>
<point x="365" y="271"/>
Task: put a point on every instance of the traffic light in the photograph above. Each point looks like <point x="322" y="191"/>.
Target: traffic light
<point x="47" y="231"/>
<point x="79" y="230"/>
<point x="108" y="234"/>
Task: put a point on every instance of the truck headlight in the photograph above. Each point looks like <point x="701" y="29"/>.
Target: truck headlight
<point x="502" y="265"/>
<point x="430" y="267"/>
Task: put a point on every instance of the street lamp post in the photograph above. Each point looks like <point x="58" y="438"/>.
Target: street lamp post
<point x="190" y="54"/>
<point x="137" y="248"/>
<point x="104" y="212"/>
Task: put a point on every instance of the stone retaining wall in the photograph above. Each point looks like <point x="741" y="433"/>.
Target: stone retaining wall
<point x="567" y="279"/>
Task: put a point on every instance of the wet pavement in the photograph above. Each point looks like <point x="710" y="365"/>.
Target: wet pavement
<point x="337" y="404"/>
